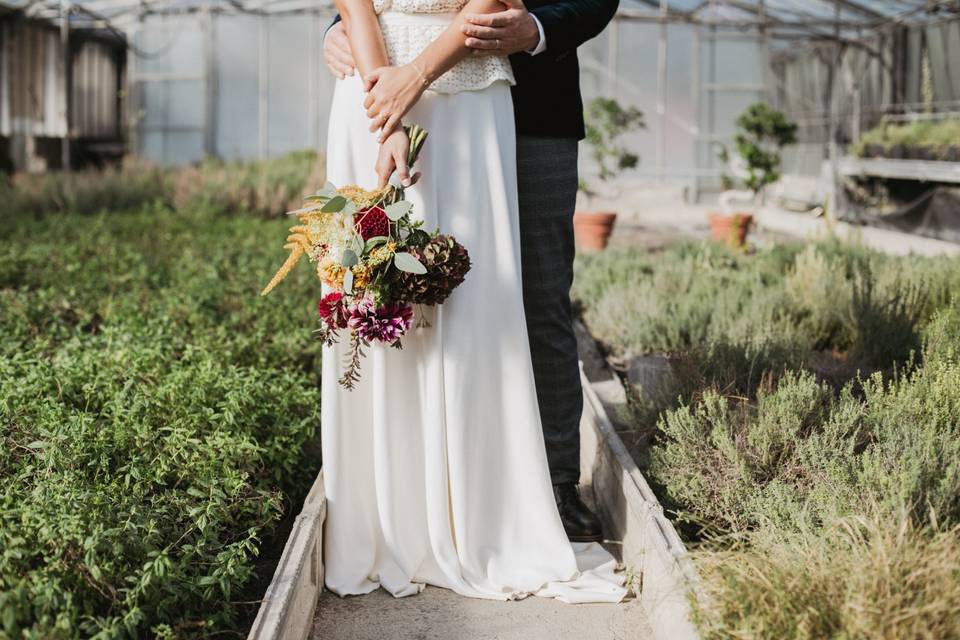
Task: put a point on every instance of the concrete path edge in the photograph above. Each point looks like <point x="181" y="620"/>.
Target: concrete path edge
<point x="286" y="612"/>
<point x="633" y="515"/>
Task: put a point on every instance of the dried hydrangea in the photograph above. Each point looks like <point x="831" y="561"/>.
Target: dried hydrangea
<point x="447" y="263"/>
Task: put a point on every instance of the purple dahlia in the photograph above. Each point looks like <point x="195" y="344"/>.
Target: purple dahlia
<point x="386" y="323"/>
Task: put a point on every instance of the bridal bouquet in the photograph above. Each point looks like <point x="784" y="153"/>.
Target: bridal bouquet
<point x="377" y="261"/>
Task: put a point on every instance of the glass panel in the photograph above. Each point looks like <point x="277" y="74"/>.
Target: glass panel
<point x="172" y="148"/>
<point x="237" y="87"/>
<point x="174" y="45"/>
<point x="289" y="84"/>
<point x="178" y="103"/>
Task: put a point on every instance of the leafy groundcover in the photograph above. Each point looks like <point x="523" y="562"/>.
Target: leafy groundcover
<point x="158" y="419"/>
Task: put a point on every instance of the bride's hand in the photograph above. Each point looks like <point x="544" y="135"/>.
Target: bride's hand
<point x="391" y="93"/>
<point x="393" y="156"/>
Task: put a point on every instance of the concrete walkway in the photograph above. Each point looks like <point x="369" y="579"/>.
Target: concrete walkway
<point x="439" y="614"/>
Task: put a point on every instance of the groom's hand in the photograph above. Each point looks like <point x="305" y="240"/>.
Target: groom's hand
<point x="504" y="33"/>
<point x="337" y="52"/>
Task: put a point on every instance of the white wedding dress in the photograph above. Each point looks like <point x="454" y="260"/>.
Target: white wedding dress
<point x="434" y="465"/>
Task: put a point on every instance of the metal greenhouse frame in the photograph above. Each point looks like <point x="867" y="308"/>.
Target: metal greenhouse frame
<point x="836" y="67"/>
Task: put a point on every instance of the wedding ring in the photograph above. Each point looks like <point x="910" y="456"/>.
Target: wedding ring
<point x="498" y="44"/>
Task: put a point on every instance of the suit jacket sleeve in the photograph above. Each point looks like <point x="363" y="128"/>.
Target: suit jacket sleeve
<point x="569" y="23"/>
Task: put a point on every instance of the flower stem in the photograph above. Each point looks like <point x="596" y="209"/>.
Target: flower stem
<point x="417" y="136"/>
<point x="351" y="372"/>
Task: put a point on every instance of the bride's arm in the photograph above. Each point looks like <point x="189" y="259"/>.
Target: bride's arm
<point x="363" y="31"/>
<point x="392" y="91"/>
<point x="369" y="52"/>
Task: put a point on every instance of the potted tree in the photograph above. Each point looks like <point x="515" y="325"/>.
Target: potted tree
<point x="762" y="132"/>
<point x="606" y="122"/>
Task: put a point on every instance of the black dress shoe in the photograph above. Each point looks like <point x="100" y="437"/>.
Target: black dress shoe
<point x="579" y="522"/>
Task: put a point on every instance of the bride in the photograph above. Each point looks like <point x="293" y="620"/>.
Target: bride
<point x="435" y="466"/>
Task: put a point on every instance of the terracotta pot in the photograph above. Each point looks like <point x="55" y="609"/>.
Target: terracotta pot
<point x="731" y="229"/>
<point x="592" y="229"/>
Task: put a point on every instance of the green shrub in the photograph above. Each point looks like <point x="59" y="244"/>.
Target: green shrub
<point x="679" y="299"/>
<point x="799" y="455"/>
<point x="267" y="188"/>
<point x="157" y="418"/>
<point x="735" y="318"/>
<point x="814" y="284"/>
<point x="762" y="133"/>
<point x="718" y="456"/>
<point x="811" y="444"/>
<point x="134" y="184"/>
<point x="929" y="134"/>
<point x="878" y="578"/>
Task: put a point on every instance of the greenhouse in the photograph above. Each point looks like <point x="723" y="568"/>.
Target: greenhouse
<point x="718" y="286"/>
<point x="244" y="79"/>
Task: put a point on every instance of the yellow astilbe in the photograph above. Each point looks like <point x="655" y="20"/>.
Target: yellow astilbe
<point x="300" y="241"/>
<point x="317" y="229"/>
<point x="296" y="252"/>
<point x="361" y="197"/>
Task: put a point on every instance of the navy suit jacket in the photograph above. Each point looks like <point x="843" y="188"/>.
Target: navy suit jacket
<point x="546" y="98"/>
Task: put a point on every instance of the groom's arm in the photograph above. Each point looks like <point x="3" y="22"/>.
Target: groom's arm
<point x="567" y="24"/>
<point x="558" y="27"/>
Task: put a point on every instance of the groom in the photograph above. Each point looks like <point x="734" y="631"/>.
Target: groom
<point x="541" y="38"/>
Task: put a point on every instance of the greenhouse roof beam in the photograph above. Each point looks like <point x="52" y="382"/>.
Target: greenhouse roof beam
<point x="771" y="12"/>
<point x="655" y="4"/>
<point x="770" y="19"/>
<point x="859" y="8"/>
<point x="776" y="14"/>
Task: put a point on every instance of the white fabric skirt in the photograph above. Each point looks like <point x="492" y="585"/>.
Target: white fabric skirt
<point x="434" y="465"/>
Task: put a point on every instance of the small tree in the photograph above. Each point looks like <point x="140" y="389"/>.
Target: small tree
<point x="762" y="133"/>
<point x="606" y="121"/>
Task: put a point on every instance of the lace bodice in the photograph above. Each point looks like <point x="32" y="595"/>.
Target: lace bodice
<point x="419" y="6"/>
<point x="409" y="26"/>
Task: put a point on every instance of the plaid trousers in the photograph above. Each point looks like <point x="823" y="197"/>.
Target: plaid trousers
<point x="547" y="185"/>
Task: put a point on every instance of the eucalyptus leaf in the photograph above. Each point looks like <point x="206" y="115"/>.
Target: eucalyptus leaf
<point x="406" y="262"/>
<point x="349" y="209"/>
<point x="375" y="242"/>
<point x="358" y="244"/>
<point x="349" y="258"/>
<point x="397" y="210"/>
<point x="336" y="204"/>
<point x="348" y="281"/>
